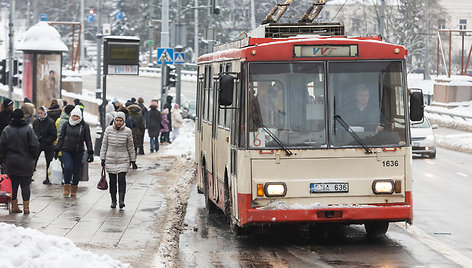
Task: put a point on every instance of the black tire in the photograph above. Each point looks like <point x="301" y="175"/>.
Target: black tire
<point x="377" y="228"/>
<point x="227" y="197"/>
<point x="210" y="207"/>
<point x="432" y="155"/>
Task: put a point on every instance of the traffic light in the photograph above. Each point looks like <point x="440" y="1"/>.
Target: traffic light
<point x="3" y="72"/>
<point x="213" y="8"/>
<point x="17" y="72"/>
<point x="91" y="12"/>
<point x="170" y="77"/>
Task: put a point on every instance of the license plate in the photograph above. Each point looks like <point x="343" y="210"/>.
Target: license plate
<point x="329" y="187"/>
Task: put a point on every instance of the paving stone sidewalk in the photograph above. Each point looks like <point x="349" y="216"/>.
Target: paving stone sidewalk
<point x="130" y="235"/>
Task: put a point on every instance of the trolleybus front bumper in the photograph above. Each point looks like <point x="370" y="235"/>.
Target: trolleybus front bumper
<point x="342" y="214"/>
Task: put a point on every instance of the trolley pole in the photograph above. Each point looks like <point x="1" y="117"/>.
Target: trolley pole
<point x="382" y="18"/>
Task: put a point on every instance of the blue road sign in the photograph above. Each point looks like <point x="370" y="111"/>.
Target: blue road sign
<point x="179" y="57"/>
<point x="165" y="55"/>
<point x="118" y="15"/>
<point x="43" y="17"/>
<point x="90" y="18"/>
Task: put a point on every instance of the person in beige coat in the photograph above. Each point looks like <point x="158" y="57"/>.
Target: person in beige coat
<point x="117" y="153"/>
<point x="177" y="121"/>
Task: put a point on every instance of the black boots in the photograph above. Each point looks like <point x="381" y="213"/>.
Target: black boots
<point x="113" y="200"/>
<point x="141" y="151"/>
<point x="46" y="181"/>
<point x="121" y="196"/>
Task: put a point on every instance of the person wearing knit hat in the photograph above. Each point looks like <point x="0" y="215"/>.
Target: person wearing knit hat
<point x="116" y="154"/>
<point x="19" y="147"/>
<point x="5" y="114"/>
<point x="46" y="132"/>
<point x="70" y="143"/>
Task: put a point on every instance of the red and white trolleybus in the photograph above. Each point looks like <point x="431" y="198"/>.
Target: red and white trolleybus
<point x="296" y="128"/>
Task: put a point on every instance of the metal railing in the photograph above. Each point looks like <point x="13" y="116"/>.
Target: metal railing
<point x="158" y="70"/>
<point x="450" y="114"/>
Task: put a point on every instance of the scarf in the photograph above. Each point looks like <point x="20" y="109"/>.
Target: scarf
<point x="45" y="113"/>
<point x="73" y="122"/>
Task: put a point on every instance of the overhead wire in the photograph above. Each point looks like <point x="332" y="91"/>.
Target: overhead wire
<point x="339" y="10"/>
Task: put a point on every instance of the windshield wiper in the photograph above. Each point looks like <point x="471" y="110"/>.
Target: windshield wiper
<point x="272" y="135"/>
<point x="353" y="134"/>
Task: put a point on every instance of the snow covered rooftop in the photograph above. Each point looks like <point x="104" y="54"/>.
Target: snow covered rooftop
<point x="42" y="37"/>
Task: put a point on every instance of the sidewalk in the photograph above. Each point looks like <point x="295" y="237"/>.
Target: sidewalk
<point x="131" y="235"/>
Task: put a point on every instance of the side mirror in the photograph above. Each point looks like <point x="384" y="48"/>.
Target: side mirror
<point x="225" y="96"/>
<point x="416" y="105"/>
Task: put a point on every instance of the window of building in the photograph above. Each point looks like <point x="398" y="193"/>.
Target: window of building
<point x="463" y="24"/>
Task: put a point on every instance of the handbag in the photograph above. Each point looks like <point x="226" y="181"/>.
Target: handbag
<point x="103" y="184"/>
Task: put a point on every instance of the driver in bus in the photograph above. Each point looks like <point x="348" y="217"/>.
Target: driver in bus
<point x="364" y="113"/>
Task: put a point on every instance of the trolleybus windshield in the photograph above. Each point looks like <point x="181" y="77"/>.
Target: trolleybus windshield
<point x="297" y="102"/>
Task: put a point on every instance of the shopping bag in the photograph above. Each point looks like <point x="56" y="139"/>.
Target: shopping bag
<point x="103" y="184"/>
<point x="55" y="172"/>
<point x="84" y="167"/>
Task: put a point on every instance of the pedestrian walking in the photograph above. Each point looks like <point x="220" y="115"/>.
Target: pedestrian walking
<point x="29" y="111"/>
<point x="116" y="104"/>
<point x="144" y="111"/>
<point x="18" y="150"/>
<point x="54" y="110"/>
<point x="168" y="106"/>
<point x="165" y="127"/>
<point x="154" y="126"/>
<point x="46" y="132"/>
<point x="109" y="110"/>
<point x="74" y="134"/>
<point x="117" y="153"/>
<point x="5" y="114"/>
<point x="138" y="128"/>
<point x="177" y="121"/>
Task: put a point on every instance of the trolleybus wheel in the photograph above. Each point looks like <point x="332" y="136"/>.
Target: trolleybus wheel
<point x="210" y="207"/>
<point x="376" y="228"/>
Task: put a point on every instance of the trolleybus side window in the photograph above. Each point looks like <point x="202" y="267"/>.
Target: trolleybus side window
<point x="287" y="101"/>
<point x="366" y="96"/>
<point x="228" y="112"/>
<point x="210" y="95"/>
<point x="200" y="87"/>
<point x="205" y="94"/>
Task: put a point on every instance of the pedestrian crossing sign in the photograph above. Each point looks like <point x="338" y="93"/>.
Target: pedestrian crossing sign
<point x="179" y="57"/>
<point x="165" y="55"/>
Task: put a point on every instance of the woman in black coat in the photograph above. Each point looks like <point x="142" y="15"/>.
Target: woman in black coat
<point x="153" y="122"/>
<point x="45" y="130"/>
<point x="18" y="150"/>
<point x="74" y="134"/>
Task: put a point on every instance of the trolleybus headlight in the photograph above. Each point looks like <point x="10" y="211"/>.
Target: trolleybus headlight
<point x="275" y="189"/>
<point x="383" y="186"/>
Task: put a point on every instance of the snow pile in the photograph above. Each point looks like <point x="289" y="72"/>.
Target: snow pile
<point x="177" y="204"/>
<point x="42" y="37"/>
<point x="281" y="205"/>
<point x="449" y="122"/>
<point x="20" y="247"/>
<point x="184" y="144"/>
<point x="459" y="142"/>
